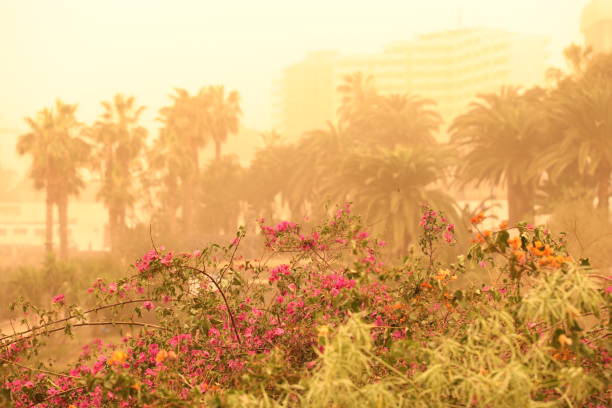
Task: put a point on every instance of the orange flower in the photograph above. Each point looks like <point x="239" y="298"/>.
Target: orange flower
<point x="515" y="242"/>
<point x="478" y="239"/>
<point x="564" y="340"/>
<point x="539" y="249"/>
<point x="477" y="219"/>
<point x="481" y="238"/>
<point x="161" y="356"/>
<point x="503" y="225"/>
<point x="442" y="274"/>
<point x="426" y="285"/>
<point x="520" y="256"/>
<point x="553" y="261"/>
<point x="118" y="357"/>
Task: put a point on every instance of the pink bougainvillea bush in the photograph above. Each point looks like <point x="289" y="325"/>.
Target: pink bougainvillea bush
<point x="320" y="320"/>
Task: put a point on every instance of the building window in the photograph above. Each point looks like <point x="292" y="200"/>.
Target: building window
<point x="2" y="231"/>
<point x="10" y="210"/>
<point x="20" y="231"/>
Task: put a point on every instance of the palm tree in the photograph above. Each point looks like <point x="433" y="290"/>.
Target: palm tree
<point x="222" y="191"/>
<point x="223" y="113"/>
<point x="317" y="158"/>
<point x="402" y="120"/>
<point x="499" y="139"/>
<point x="176" y="152"/>
<point x="58" y="154"/>
<point x="357" y="95"/>
<point x="268" y="178"/>
<point x="120" y="141"/>
<point x="581" y="109"/>
<point x="389" y="186"/>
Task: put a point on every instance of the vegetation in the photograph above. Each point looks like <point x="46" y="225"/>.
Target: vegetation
<point x="331" y="326"/>
<point x="398" y="308"/>
<point x="544" y="145"/>
<point x="119" y="142"/>
<point x="58" y="155"/>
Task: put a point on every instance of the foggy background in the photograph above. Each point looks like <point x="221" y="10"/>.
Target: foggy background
<point x="285" y="68"/>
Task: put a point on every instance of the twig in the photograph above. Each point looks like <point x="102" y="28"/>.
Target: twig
<point x="37" y="369"/>
<point x="229" y="310"/>
<point x="57" y="395"/>
<point x="96" y="309"/>
<point x="89" y="324"/>
<point x="151" y="237"/>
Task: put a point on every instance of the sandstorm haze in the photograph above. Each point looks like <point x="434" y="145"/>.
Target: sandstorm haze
<point x="85" y="52"/>
<point x="389" y="74"/>
<point x="305" y="204"/>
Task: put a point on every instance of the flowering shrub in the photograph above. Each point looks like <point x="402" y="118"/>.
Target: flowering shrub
<point x="320" y="320"/>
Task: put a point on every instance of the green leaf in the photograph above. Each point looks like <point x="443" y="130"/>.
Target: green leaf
<point x="502" y="240"/>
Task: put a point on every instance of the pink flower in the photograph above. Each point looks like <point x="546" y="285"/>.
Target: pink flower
<point x="280" y="270"/>
<point x="609" y="289"/>
<point x="112" y="287"/>
<point x="362" y="235"/>
<point x="142" y="265"/>
<point x="448" y="236"/>
<point x="148" y="305"/>
<point x="398" y="334"/>
<point x="58" y="299"/>
<point x="151" y="255"/>
<point x="167" y="260"/>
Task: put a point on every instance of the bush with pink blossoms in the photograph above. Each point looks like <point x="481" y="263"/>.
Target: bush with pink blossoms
<point x="211" y="328"/>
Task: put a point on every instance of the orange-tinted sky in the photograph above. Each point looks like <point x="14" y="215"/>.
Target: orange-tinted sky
<point x="85" y="51"/>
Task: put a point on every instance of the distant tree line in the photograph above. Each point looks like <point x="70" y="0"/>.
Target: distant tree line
<point x="543" y="144"/>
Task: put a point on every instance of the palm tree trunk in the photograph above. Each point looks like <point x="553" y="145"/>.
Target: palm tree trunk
<point x="49" y="223"/>
<point x="217" y="150"/>
<point x="187" y="187"/>
<point x="121" y="227"/>
<point x="112" y="227"/>
<point x="520" y="203"/>
<point x="62" y="207"/>
<point x="603" y="189"/>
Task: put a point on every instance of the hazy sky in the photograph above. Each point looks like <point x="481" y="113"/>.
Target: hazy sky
<point x="85" y="51"/>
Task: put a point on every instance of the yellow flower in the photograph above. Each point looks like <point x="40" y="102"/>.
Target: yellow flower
<point x="564" y="340"/>
<point x="118" y="357"/>
<point x="442" y="274"/>
<point x="323" y="330"/>
<point x="161" y="356"/>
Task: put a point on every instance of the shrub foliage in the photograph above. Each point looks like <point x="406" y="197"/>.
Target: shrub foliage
<point x="319" y="320"/>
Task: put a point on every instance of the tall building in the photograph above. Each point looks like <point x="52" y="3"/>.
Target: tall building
<point x="596" y="25"/>
<point x="453" y="67"/>
<point x="303" y="95"/>
<point x="450" y="67"/>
